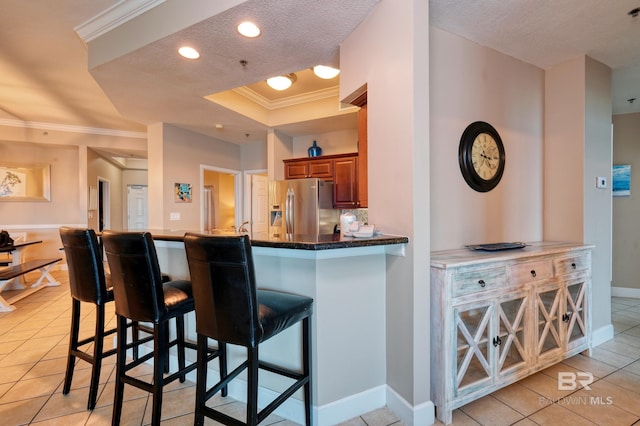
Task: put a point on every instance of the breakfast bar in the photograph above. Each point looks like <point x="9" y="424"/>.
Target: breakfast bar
<point x="346" y="277"/>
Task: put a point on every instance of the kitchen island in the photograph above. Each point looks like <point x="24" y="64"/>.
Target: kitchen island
<point x="346" y="277"/>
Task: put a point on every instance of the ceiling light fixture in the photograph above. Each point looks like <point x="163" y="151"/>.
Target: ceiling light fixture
<point x="248" y="29"/>
<point x="282" y="82"/>
<point x="189" y="52"/>
<point x="325" y="72"/>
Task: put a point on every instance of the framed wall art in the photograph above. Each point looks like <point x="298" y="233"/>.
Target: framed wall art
<point x="182" y="193"/>
<point x="621" y="185"/>
<point x="25" y="182"/>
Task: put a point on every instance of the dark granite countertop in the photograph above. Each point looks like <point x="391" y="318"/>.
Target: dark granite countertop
<point x="297" y="242"/>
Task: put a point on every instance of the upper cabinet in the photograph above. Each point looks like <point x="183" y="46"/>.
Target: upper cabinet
<point x="300" y="168"/>
<point x="345" y="182"/>
<point x="349" y="172"/>
<point x="341" y="169"/>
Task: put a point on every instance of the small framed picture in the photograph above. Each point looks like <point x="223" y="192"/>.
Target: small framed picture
<point x="621" y="180"/>
<point x="182" y="193"/>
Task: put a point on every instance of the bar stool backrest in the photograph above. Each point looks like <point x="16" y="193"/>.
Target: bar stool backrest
<point x="86" y="272"/>
<point x="224" y="288"/>
<point x="135" y="275"/>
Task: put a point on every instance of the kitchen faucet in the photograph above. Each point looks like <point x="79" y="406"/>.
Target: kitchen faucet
<point x="242" y="228"/>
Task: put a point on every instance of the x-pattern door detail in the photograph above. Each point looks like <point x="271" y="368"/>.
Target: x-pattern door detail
<point x="548" y="323"/>
<point x="511" y="325"/>
<point x="473" y="336"/>
<point x="575" y="312"/>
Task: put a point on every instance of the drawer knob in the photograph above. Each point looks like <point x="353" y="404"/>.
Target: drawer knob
<point x="482" y="283"/>
<point x="533" y="273"/>
<point x="497" y="341"/>
<point x="566" y="317"/>
<point x="573" y="265"/>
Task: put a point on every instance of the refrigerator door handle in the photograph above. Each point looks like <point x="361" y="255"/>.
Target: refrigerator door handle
<point x="289" y="212"/>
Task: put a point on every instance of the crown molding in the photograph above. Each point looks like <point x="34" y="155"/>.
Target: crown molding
<point x="113" y="17"/>
<point x="288" y="101"/>
<point x="72" y="129"/>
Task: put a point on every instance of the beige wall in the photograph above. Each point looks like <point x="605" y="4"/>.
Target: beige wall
<point x="338" y="142"/>
<point x="175" y="156"/>
<point x="64" y="186"/>
<point x="626" y="210"/>
<point x="473" y="83"/>
<point x="578" y="148"/>
<point x="389" y="53"/>
<point x="254" y="156"/>
<point x="40" y="220"/>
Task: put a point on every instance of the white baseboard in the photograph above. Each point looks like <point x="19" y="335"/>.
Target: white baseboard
<point x="601" y="335"/>
<point x="352" y="406"/>
<point x="625" y="292"/>
<point x="421" y="415"/>
<point x="293" y="409"/>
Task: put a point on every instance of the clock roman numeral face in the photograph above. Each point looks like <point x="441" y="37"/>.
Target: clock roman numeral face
<point x="485" y="156"/>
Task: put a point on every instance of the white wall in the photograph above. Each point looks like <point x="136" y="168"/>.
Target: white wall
<point x="472" y="83"/>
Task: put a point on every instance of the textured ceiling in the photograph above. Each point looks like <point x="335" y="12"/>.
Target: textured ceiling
<point x="546" y="33"/>
<point x="152" y="83"/>
<point x="45" y="76"/>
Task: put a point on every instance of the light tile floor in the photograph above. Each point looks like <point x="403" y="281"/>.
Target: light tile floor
<point x="34" y="341"/>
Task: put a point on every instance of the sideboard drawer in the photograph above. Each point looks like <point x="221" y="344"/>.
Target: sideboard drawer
<point x="475" y="281"/>
<point x="567" y="265"/>
<point x="531" y="271"/>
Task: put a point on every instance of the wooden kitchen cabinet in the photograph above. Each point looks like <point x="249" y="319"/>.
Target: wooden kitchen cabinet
<point x="300" y="168"/>
<point x="341" y="169"/>
<point x="345" y="182"/>
<point x="497" y="317"/>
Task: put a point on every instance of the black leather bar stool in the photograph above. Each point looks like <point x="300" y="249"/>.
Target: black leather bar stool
<point x="87" y="283"/>
<point x="140" y="295"/>
<point x="230" y="309"/>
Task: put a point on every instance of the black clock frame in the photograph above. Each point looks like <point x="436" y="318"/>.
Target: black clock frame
<point x="472" y="178"/>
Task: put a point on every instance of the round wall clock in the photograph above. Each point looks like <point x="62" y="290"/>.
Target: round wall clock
<point x="481" y="156"/>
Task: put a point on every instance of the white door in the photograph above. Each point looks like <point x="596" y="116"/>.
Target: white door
<point x="259" y="203"/>
<point x="137" y="206"/>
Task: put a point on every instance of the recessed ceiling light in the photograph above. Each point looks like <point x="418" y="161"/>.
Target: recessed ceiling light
<point x="248" y="29"/>
<point x="189" y="52"/>
<point x="325" y="72"/>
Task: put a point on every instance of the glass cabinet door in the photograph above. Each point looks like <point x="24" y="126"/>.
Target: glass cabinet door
<point x="548" y="320"/>
<point x="575" y="314"/>
<point x="473" y="331"/>
<point x="510" y="341"/>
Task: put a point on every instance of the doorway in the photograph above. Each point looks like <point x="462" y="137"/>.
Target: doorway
<point x="137" y="205"/>
<point x="104" y="203"/>
<point x="257" y="201"/>
<point x="221" y="195"/>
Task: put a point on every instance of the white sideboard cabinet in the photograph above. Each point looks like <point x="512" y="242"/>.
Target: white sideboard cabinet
<point x="499" y="316"/>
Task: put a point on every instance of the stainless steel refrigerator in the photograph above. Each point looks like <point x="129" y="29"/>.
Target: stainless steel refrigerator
<point x="301" y="207"/>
